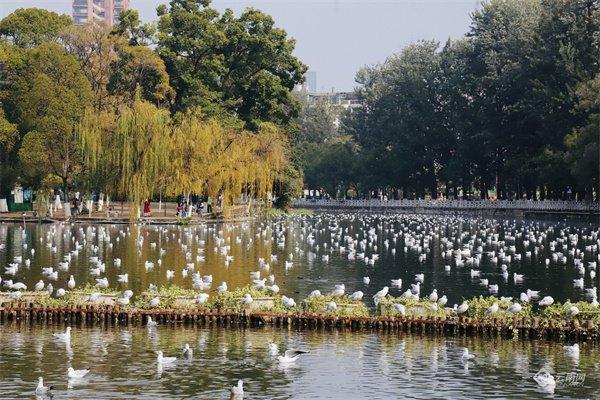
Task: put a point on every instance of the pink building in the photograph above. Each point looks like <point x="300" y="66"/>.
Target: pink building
<point x="86" y="11"/>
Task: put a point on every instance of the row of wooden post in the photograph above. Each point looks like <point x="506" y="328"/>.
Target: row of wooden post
<point x="114" y="315"/>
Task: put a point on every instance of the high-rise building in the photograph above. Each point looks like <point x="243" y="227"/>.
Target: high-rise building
<point x="311" y="81"/>
<point x="89" y="11"/>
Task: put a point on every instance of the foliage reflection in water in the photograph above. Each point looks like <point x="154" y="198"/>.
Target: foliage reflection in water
<point x="340" y="365"/>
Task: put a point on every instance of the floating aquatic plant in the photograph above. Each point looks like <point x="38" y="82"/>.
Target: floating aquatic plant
<point x="345" y="306"/>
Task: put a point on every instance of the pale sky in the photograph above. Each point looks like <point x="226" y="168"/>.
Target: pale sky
<point x="334" y="37"/>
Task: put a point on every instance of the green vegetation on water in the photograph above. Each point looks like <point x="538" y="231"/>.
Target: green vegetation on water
<point x="176" y="298"/>
<point x="277" y="212"/>
<point x="345" y="307"/>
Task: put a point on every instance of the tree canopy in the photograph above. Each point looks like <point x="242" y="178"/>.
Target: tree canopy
<point x="202" y="102"/>
<point x="506" y="109"/>
<point x="222" y="63"/>
<point x="30" y="27"/>
<point x="91" y="108"/>
<point x="48" y="100"/>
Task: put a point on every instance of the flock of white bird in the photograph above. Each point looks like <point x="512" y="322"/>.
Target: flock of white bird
<point x="463" y="245"/>
<point x="237" y="392"/>
<point x="544" y="379"/>
<point x="488" y="252"/>
<point x="73" y="375"/>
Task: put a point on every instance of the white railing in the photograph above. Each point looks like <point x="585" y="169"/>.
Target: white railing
<point x="543" y="205"/>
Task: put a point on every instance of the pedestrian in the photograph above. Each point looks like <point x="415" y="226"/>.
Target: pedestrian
<point x="147" y="209"/>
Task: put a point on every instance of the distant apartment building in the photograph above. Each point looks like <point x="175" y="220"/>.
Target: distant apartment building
<point x="345" y="100"/>
<point x="341" y="101"/>
<point x="96" y="11"/>
<point x="311" y="81"/>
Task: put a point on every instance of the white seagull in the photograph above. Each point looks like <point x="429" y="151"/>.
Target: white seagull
<point x="290" y="356"/>
<point x="77" y="373"/>
<point x="187" y="351"/>
<point x="572" y="350"/>
<point x="150" y="323"/>
<point x="237" y="392"/>
<point x="546" y="301"/>
<point x="66" y="336"/>
<point x="42" y="390"/>
<point x="466" y="356"/>
<point x="273" y="349"/>
<point x="160" y="359"/>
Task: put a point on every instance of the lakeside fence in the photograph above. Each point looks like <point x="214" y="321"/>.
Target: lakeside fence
<point x="455" y="205"/>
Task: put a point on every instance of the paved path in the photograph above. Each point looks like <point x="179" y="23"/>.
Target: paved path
<point x="546" y="206"/>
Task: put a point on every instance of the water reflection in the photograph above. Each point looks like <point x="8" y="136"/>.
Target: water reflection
<point x="312" y="253"/>
<point x="340" y="365"/>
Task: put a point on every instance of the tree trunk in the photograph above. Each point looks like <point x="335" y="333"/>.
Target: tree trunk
<point x="482" y="189"/>
<point x="434" y="189"/>
<point x="66" y="189"/>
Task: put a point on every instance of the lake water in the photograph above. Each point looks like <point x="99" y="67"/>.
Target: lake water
<point x="250" y="241"/>
<point x="340" y="365"/>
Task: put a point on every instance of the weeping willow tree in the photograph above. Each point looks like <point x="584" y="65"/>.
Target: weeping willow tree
<point x="134" y="151"/>
<point x="261" y="158"/>
<point x="131" y="146"/>
<point x="210" y="159"/>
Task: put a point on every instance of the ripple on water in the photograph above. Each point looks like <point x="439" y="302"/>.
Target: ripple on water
<point x="339" y="366"/>
<point x="309" y="270"/>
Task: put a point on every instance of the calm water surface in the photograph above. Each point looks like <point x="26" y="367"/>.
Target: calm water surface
<point x="306" y="240"/>
<point x="340" y="365"/>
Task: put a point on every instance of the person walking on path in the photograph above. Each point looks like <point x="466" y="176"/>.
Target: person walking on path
<point x="147" y="208"/>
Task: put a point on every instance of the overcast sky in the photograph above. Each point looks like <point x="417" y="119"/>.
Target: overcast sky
<point x="334" y="37"/>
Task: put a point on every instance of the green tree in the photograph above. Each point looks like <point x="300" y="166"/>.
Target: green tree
<point x="115" y="68"/>
<point x="331" y="166"/>
<point x="317" y="122"/>
<point x="583" y="143"/>
<point x="400" y="123"/>
<point x="48" y="100"/>
<point x="503" y="35"/>
<point x="9" y="135"/>
<point x="139" y="66"/>
<point x="11" y="58"/>
<point x="464" y="156"/>
<point x="241" y="65"/>
<point x="96" y="51"/>
<point x="567" y="53"/>
<point x="131" y="27"/>
<point x="30" y="27"/>
<point x="287" y="186"/>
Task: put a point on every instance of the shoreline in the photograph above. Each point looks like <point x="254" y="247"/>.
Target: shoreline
<point x="124" y="221"/>
<point x="477" y="208"/>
